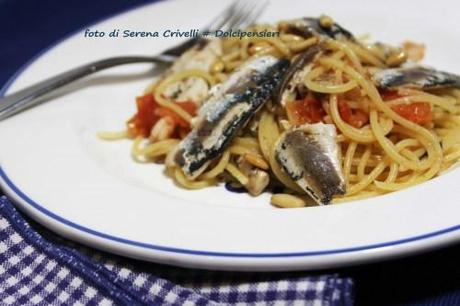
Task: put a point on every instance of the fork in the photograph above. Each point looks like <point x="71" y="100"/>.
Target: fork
<point x="239" y="14"/>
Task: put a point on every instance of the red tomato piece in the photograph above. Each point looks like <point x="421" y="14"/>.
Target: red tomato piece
<point x="417" y="112"/>
<point x="142" y="122"/>
<point x="356" y="118"/>
<point x="149" y="112"/>
<point x="308" y="110"/>
<point x="390" y="95"/>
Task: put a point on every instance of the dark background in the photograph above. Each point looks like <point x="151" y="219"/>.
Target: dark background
<point x="29" y="26"/>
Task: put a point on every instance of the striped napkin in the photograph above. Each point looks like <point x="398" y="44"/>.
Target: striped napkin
<point x="39" y="268"/>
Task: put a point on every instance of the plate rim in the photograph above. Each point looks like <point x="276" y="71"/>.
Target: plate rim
<point x="5" y="179"/>
<point x="21" y="199"/>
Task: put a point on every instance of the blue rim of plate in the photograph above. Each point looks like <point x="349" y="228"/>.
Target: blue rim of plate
<point x="90" y="231"/>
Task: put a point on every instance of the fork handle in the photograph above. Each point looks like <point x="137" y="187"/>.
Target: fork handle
<point x="29" y="96"/>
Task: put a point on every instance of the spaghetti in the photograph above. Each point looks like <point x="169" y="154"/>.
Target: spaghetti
<point x="388" y="139"/>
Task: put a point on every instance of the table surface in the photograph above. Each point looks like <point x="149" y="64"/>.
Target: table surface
<point x="28" y="26"/>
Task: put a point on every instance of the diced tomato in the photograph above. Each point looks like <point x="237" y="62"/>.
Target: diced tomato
<point x="188" y="106"/>
<point x="356" y="117"/>
<point x="308" y="110"/>
<point x="418" y="112"/>
<point x="390" y="95"/>
<point x="183" y="131"/>
<point x="149" y="112"/>
<point x="166" y="112"/>
<point x="345" y="111"/>
<point x="142" y="122"/>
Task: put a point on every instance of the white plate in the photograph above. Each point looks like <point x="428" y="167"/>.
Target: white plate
<point x="58" y="172"/>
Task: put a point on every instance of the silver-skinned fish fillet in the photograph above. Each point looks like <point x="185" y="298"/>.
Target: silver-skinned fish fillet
<point x="310" y="26"/>
<point x="227" y="110"/>
<point x="415" y="77"/>
<point x="293" y="85"/>
<point x="309" y="155"/>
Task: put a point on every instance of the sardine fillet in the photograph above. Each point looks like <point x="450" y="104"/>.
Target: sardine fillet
<point x="309" y="155"/>
<point x="229" y="108"/>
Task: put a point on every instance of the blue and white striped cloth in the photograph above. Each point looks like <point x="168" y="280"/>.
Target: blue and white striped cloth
<point x="39" y="268"/>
